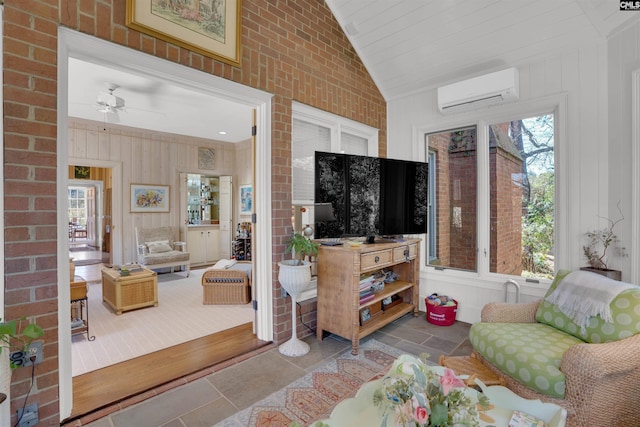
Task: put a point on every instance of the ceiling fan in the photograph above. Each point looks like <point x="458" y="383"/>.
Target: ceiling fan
<point x="110" y="104"/>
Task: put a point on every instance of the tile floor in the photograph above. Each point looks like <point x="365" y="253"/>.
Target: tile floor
<point x="211" y="398"/>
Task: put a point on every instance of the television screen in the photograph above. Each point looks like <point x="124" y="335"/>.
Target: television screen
<point x="364" y="195"/>
<point x="331" y="194"/>
<point x="368" y="196"/>
<point x="404" y="194"/>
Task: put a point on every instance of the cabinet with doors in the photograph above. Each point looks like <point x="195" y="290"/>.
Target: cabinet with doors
<point x="342" y="311"/>
<point x="203" y="244"/>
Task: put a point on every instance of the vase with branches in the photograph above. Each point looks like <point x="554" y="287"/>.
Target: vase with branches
<point x="600" y="242"/>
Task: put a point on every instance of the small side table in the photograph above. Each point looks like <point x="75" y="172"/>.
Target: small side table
<point x="137" y="290"/>
<point x="470" y="365"/>
<point x="80" y="308"/>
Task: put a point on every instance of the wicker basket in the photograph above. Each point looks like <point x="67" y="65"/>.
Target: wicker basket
<point x="225" y="287"/>
<point x="122" y="293"/>
<point x="78" y="290"/>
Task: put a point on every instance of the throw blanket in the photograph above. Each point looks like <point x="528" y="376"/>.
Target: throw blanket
<point x="581" y="295"/>
<point x="224" y="263"/>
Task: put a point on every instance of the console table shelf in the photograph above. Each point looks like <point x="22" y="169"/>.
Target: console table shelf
<point x="339" y="272"/>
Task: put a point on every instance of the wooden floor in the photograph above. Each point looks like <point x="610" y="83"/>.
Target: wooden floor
<point x="109" y="385"/>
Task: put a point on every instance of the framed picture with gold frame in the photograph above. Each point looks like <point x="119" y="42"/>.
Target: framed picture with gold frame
<point x="211" y="28"/>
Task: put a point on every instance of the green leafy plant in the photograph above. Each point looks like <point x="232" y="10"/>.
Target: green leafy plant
<point x="599" y="241"/>
<point x="14" y="338"/>
<point x="301" y="247"/>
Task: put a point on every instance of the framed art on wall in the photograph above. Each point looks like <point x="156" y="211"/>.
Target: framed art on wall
<point x="149" y="198"/>
<point x="206" y="157"/>
<point x="246" y="200"/>
<point x="82" y="172"/>
<point x="209" y="28"/>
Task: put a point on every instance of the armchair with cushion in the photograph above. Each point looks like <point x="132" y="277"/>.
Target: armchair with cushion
<point x="590" y="367"/>
<point x="156" y="249"/>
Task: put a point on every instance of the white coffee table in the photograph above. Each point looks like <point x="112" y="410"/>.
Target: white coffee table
<point x="360" y="411"/>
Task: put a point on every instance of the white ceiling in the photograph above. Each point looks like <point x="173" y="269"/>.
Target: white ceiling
<point x="408" y="46"/>
<point x="154" y="104"/>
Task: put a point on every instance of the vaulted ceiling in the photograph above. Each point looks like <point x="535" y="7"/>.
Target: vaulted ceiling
<point x="408" y="46"/>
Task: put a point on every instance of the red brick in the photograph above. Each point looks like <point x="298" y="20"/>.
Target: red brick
<point x="295" y="51"/>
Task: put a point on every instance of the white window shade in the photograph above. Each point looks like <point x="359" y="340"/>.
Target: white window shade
<point x="307" y="138"/>
<point x="352" y="144"/>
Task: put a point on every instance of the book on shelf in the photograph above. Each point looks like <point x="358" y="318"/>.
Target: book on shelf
<point x="366" y="298"/>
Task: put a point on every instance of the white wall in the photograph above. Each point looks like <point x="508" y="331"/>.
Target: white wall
<point x="623" y="60"/>
<point x="147" y="158"/>
<point x="578" y="76"/>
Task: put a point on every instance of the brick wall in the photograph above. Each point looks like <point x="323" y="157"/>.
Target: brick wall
<point x="456" y="177"/>
<point x="294" y="49"/>
<point x="506" y="213"/>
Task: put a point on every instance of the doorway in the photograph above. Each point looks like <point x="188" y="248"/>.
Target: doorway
<point x="88" y="214"/>
<point x="77" y="45"/>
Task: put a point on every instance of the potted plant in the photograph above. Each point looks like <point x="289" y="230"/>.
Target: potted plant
<point x="301" y="246"/>
<point x="598" y="242"/>
<point x="13" y="338"/>
<point x="294" y="275"/>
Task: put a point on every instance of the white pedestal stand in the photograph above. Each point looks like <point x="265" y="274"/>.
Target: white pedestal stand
<point x="294" y="278"/>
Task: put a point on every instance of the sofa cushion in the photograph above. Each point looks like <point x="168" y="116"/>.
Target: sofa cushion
<point x="528" y="352"/>
<point x="625" y="311"/>
<point x="163" y="258"/>
<point x="159" y="246"/>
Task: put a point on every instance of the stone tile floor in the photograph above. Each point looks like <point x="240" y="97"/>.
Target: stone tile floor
<point x="212" y="398"/>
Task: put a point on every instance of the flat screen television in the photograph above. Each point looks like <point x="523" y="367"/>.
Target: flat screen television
<point x="359" y="196"/>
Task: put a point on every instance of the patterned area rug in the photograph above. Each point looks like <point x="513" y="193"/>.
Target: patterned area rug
<point x="314" y="396"/>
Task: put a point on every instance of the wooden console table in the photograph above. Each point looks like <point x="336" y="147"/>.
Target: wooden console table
<point x="122" y="293"/>
<point x="339" y="271"/>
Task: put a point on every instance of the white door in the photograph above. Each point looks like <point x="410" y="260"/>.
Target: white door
<point x="226" y="216"/>
<point x="91" y="216"/>
<point x="184" y="220"/>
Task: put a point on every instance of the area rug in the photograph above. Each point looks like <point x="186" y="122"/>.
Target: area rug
<point x="314" y="396"/>
<point x="179" y="317"/>
<point x="103" y="258"/>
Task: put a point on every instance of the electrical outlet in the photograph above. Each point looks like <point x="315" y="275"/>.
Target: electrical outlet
<point x="23" y="358"/>
<point x="29" y="416"/>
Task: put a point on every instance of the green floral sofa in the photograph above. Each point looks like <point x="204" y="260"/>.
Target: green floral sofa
<point x="594" y="372"/>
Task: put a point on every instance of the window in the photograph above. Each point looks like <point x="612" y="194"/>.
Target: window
<point x="522" y="197"/>
<point x="77" y="213"/>
<point x="315" y="130"/>
<point x="518" y="158"/>
<point x="453" y="188"/>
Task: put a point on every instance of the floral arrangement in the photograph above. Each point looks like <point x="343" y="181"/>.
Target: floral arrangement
<point x="418" y="396"/>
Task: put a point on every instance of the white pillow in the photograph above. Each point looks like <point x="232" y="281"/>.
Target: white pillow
<point x="159" y="246"/>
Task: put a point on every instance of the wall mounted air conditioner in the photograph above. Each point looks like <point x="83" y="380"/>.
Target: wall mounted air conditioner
<point x="482" y="91"/>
